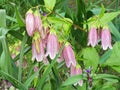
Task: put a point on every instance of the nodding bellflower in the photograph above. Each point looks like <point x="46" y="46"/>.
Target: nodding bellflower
<point x="106" y="39"/>
<point x="68" y="55"/>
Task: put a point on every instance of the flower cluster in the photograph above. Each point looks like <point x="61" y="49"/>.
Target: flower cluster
<point x="94" y="35"/>
<point x="46" y="44"/>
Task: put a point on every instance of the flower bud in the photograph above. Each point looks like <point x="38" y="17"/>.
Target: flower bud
<point x="106" y="39"/>
<point x="38" y="21"/>
<point x="69" y="56"/>
<point x="92" y="37"/>
<point x="30" y="22"/>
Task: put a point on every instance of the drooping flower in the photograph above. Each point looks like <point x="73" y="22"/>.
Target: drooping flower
<point x="68" y="55"/>
<point x="106" y="39"/>
<point x="92" y="37"/>
<point x="76" y="71"/>
<point x="52" y="45"/>
<point x="30" y="23"/>
<point x="37" y="50"/>
<point x="38" y="21"/>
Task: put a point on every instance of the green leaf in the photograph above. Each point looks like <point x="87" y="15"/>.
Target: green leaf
<point x="5" y="59"/>
<point x="105" y="56"/>
<point x="16" y="34"/>
<point x="31" y="78"/>
<point x="100" y="76"/>
<point x="116" y="68"/>
<point x="1" y="49"/>
<point x="91" y="58"/>
<point x="14" y="81"/>
<point x="114" y="59"/>
<point x="2" y="18"/>
<point x="114" y="30"/>
<point x="19" y="18"/>
<point x="108" y="77"/>
<point x="11" y="18"/>
<point x="102" y="12"/>
<point x="108" y="17"/>
<point x="50" y="4"/>
<point x="72" y="80"/>
<point x="70" y="88"/>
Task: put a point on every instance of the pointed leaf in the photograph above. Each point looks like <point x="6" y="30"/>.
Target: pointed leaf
<point x="50" y="4"/>
<point x="19" y="18"/>
<point x="72" y="80"/>
<point x="108" y="17"/>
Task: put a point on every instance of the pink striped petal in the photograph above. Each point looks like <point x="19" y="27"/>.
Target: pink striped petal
<point x="92" y="37"/>
<point x="106" y="39"/>
<point x="69" y="56"/>
<point x="52" y="46"/>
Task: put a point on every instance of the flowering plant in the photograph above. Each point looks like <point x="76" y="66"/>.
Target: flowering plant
<point x="49" y="46"/>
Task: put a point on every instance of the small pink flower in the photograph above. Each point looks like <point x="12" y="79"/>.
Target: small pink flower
<point x="106" y="39"/>
<point x="76" y="71"/>
<point x="37" y="54"/>
<point x="30" y="23"/>
<point x="52" y="45"/>
<point x="92" y="37"/>
<point x="38" y="21"/>
<point x="69" y="56"/>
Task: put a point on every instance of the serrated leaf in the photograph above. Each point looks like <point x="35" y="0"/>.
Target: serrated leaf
<point x="91" y="58"/>
<point x="50" y="4"/>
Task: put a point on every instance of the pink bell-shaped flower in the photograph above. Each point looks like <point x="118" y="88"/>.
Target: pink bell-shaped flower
<point x="76" y="71"/>
<point x="92" y="37"/>
<point x="68" y="55"/>
<point x="30" y="23"/>
<point x="38" y="21"/>
<point x="106" y="39"/>
<point x="37" y="50"/>
<point x="52" y="45"/>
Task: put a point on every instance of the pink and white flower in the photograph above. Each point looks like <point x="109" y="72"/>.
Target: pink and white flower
<point x="106" y="39"/>
<point x="37" y="54"/>
<point x="68" y="55"/>
<point x="30" y="23"/>
<point x="52" y="45"/>
<point x="92" y="37"/>
<point x="76" y="71"/>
